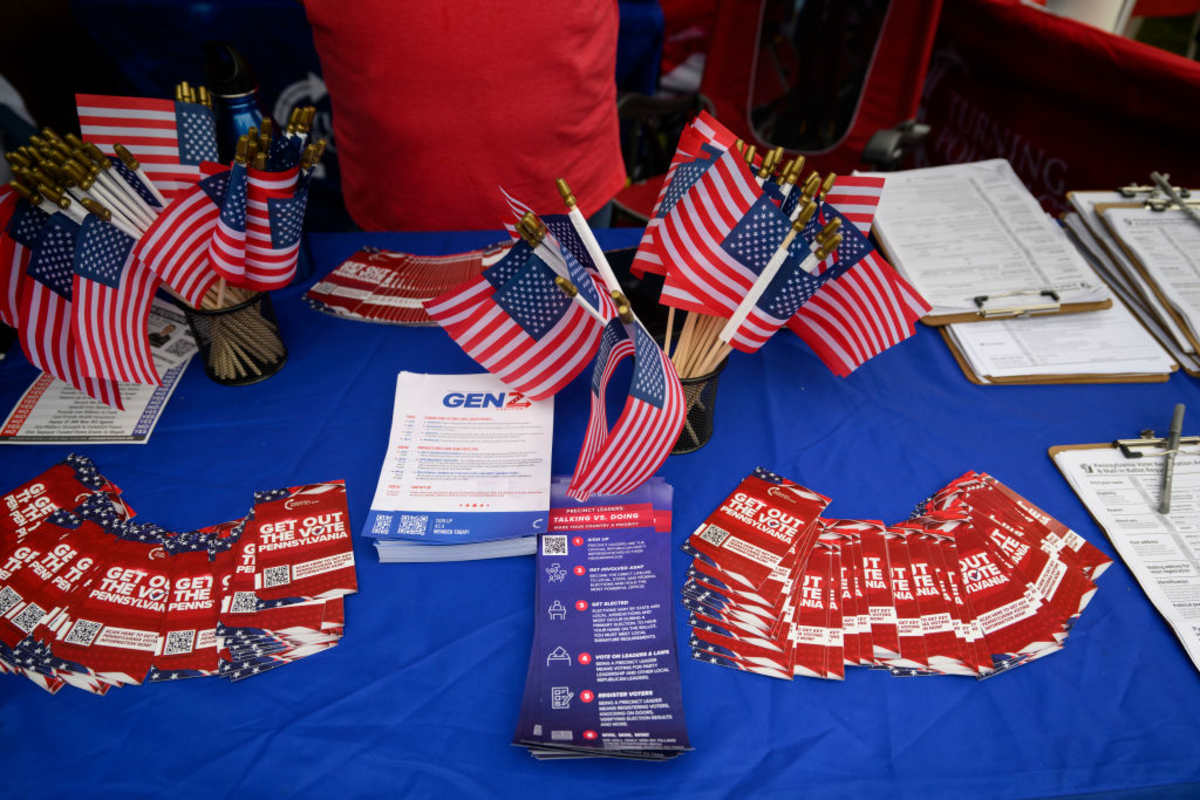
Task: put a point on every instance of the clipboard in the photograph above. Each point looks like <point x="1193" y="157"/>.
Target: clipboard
<point x="1141" y="268"/>
<point x="1015" y="305"/>
<point x="1048" y="380"/>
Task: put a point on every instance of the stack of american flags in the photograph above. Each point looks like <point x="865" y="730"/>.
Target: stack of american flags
<point x="91" y="227"/>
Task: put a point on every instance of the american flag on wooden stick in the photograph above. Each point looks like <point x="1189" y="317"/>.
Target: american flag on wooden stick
<point x="648" y="427"/>
<point x="694" y="238"/>
<point x="46" y="312"/>
<point x="175" y="246"/>
<point x="113" y="291"/>
<point x="227" y="247"/>
<point x="519" y="326"/>
<point x="275" y="205"/>
<point x="170" y="138"/>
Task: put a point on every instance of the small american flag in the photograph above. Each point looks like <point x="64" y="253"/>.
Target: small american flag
<point x="175" y="246"/>
<point x="698" y="239"/>
<point x="275" y="205"/>
<point x="227" y="248"/>
<point x="857" y="198"/>
<point x="14" y="258"/>
<point x="45" y="329"/>
<point x="168" y="137"/>
<point x="858" y="313"/>
<point x="132" y="180"/>
<point x="648" y="427"/>
<point x="524" y="329"/>
<point x="787" y="292"/>
<point x="112" y="291"/>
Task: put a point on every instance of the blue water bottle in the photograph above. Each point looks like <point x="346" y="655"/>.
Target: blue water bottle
<point x="235" y="95"/>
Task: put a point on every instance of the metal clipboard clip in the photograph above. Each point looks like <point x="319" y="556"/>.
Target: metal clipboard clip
<point x="1053" y="305"/>
<point x="1134" y="448"/>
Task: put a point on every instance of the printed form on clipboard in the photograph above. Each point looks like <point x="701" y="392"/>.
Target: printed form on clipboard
<point x="977" y="245"/>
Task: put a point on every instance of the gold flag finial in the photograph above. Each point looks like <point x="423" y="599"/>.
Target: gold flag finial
<point x="565" y="192"/>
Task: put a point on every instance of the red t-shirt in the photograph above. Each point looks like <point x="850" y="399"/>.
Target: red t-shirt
<point x="436" y="105"/>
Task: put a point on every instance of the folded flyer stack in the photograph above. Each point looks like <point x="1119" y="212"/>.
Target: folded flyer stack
<point x="977" y="582"/>
<point x="375" y="285"/>
<point x="603" y="675"/>
<point x="92" y="599"/>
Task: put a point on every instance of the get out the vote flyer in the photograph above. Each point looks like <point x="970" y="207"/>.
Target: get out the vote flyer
<point x="468" y="460"/>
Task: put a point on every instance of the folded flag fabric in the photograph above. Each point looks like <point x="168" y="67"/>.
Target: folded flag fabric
<point x="176" y="245"/>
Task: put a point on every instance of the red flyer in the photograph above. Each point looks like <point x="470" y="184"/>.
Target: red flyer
<point x="943" y="646"/>
<point x="835" y="653"/>
<point x="877" y="580"/>
<point x="809" y="634"/>
<point x="117" y="621"/>
<point x="908" y="611"/>
<point x="65" y="485"/>
<point x="189" y="629"/>
<point x="304" y="549"/>
<point x="756" y="526"/>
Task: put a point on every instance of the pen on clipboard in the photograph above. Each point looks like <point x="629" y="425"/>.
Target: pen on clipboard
<point x="1164" y="503"/>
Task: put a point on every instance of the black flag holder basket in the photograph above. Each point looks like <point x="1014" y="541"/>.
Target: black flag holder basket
<point x="700" y="394"/>
<point x="240" y="344"/>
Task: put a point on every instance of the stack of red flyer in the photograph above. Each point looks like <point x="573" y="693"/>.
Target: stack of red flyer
<point x="376" y="285"/>
<point x="93" y="599"/>
<point x="977" y="582"/>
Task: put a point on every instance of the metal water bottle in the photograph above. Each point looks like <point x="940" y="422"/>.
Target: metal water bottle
<point x="235" y="94"/>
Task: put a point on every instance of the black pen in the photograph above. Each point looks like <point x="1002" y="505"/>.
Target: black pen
<point x="1164" y="502"/>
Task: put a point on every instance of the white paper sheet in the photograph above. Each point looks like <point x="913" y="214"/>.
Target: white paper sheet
<point x="1106" y="342"/>
<point x="468" y="460"/>
<point x="1162" y="551"/>
<point x="964" y="230"/>
<point x="53" y="412"/>
<point x="1167" y="243"/>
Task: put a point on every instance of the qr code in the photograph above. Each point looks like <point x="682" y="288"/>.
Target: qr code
<point x="554" y="545"/>
<point x="383" y="524"/>
<point x="413" y="524"/>
<point x="244" y="603"/>
<point x="276" y="576"/>
<point x="83" y="633"/>
<point x="179" y="642"/>
<point x="714" y="535"/>
<point x="28" y="619"/>
<point x="8" y="599"/>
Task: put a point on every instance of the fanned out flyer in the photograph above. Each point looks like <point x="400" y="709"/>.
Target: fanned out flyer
<point x="603" y="675"/>
<point x="980" y="581"/>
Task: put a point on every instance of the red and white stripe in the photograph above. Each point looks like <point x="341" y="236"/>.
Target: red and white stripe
<point x="856" y="316"/>
<point x="227" y="247"/>
<point x="14" y="258"/>
<point x="266" y="267"/>
<point x="857" y="198"/>
<point x="639" y="442"/>
<point x="691" y="234"/>
<point x="45" y="335"/>
<point x="597" y="428"/>
<point x="175" y="246"/>
<point x="147" y="127"/>
<point x="108" y="325"/>
<point x="535" y="367"/>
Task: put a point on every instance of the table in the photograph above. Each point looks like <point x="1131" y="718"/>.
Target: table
<point x="421" y="696"/>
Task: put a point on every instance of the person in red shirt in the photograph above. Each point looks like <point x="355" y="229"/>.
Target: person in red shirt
<point x="438" y="105"/>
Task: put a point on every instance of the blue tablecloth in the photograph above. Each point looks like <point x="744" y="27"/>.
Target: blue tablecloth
<point x="421" y="696"/>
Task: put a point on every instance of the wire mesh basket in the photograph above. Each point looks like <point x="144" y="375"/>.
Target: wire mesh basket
<point x="240" y="344"/>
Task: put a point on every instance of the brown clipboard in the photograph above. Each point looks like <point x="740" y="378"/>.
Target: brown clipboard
<point x="1140" y="267"/>
<point x="1022" y="306"/>
<point x="1047" y="380"/>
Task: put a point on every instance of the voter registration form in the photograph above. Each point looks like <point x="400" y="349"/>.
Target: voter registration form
<point x="1161" y="550"/>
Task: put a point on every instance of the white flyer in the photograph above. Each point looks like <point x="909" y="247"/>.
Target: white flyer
<point x="1161" y="550"/>
<point x="468" y="460"/>
<point x="54" y="412"/>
